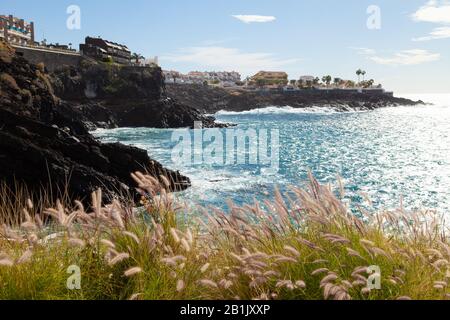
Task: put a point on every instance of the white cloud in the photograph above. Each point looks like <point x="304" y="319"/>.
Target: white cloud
<point x="407" y="58"/>
<point x="433" y="11"/>
<point x="223" y="58"/>
<point x="254" y="18"/>
<point x="364" y="51"/>
<point x="437" y="33"/>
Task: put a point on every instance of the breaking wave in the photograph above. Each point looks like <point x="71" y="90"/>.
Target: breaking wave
<point x="285" y="110"/>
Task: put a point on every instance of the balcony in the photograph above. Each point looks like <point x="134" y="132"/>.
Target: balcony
<point x="15" y="32"/>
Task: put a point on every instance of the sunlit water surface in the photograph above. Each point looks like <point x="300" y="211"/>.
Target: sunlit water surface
<point x="388" y="154"/>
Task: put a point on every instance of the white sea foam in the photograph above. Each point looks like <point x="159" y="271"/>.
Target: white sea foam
<point x="282" y="110"/>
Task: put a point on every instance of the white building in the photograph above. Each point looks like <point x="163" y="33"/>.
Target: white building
<point x="172" y="76"/>
<point x="16" y="31"/>
<point x="222" y="78"/>
<point x="307" y="79"/>
<point x="151" y="61"/>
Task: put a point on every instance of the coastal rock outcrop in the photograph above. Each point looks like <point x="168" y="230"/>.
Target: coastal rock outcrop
<point x="211" y="100"/>
<point x="44" y="156"/>
<point x="25" y="89"/>
<point x="110" y="95"/>
<point x="45" y="145"/>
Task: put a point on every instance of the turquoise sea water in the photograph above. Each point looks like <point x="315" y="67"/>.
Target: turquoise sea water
<point x="388" y="154"/>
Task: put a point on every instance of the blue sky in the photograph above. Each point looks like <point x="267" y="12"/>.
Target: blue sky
<point x="410" y="53"/>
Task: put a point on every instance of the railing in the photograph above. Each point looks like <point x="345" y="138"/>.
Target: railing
<point x="19" y="34"/>
<point x="24" y="31"/>
<point x="42" y="48"/>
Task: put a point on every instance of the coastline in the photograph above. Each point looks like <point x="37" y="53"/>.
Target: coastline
<point x="311" y="248"/>
<point x="45" y="142"/>
<point x="74" y="101"/>
<point x="211" y="100"/>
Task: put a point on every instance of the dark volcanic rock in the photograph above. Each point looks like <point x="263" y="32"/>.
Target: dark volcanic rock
<point x="108" y="82"/>
<point x="212" y="100"/>
<point x="45" y="156"/>
<point x="24" y="88"/>
<point x="44" y="142"/>
<point x="162" y="114"/>
<point x="109" y="96"/>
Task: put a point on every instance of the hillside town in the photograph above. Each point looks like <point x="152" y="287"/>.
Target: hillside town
<point x="21" y="35"/>
<point x="272" y="81"/>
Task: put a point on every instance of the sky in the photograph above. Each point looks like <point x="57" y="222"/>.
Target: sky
<point x="403" y="44"/>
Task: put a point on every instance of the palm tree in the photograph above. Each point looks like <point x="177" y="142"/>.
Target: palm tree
<point x="137" y="57"/>
<point x="359" y="73"/>
<point x="327" y="80"/>
<point x="363" y="73"/>
<point x="337" y="81"/>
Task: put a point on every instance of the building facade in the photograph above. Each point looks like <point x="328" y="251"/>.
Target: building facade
<point x="215" y="76"/>
<point x="106" y="50"/>
<point x="269" y="78"/>
<point x="221" y="78"/>
<point x="16" y="31"/>
<point x="306" y="80"/>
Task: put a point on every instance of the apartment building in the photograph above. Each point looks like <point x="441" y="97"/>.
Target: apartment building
<point x="269" y="78"/>
<point x="99" y="48"/>
<point x="16" y="31"/>
<point x="221" y="78"/>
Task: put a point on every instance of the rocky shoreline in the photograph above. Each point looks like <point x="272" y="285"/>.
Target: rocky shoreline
<point x="45" y="142"/>
<point x="211" y="100"/>
<point x="45" y="121"/>
<point x="110" y="96"/>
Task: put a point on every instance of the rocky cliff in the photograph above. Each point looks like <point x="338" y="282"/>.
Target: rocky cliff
<point x="44" y="144"/>
<point x="111" y="95"/>
<point x="211" y="100"/>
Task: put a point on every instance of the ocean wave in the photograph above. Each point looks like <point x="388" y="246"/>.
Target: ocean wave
<point x="282" y="110"/>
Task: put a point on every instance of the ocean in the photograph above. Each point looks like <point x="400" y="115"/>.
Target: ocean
<point x="392" y="155"/>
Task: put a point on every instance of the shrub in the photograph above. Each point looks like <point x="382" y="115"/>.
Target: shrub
<point x="9" y="81"/>
<point x="41" y="67"/>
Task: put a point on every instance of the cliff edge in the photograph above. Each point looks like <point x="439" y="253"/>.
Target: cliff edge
<point x="109" y="95"/>
<point x="45" y="146"/>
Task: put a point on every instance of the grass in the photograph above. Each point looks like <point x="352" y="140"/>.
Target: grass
<point x="15" y="196"/>
<point x="305" y="245"/>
